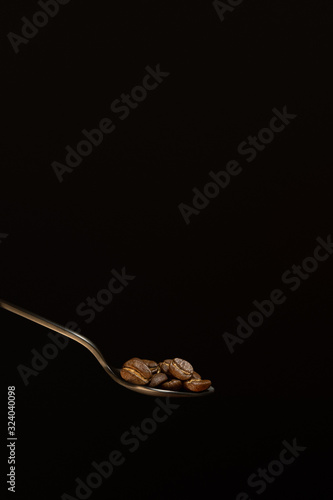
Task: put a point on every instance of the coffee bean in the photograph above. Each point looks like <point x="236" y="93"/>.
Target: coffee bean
<point x="157" y="379"/>
<point x="171" y="374"/>
<point x="136" y="372"/>
<point x="197" y="385"/>
<point x="152" y="365"/>
<point x="165" y="366"/>
<point x="181" y="369"/>
<point x="172" y="385"/>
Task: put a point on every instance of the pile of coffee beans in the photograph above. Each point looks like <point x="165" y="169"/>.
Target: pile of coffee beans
<point x="171" y="374"/>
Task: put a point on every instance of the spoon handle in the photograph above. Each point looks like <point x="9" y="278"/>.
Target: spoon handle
<point x="59" y="329"/>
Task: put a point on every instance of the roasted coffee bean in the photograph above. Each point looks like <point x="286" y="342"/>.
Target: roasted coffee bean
<point x="172" y="385"/>
<point x="165" y="366"/>
<point x="139" y="365"/>
<point x="171" y="374"/>
<point x="152" y="365"/>
<point x="197" y="385"/>
<point x="181" y="369"/>
<point x="157" y="379"/>
<point x="136" y="372"/>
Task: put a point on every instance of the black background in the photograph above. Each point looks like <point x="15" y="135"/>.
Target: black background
<point x="120" y="208"/>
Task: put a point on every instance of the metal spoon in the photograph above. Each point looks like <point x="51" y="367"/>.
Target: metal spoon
<point x="112" y="371"/>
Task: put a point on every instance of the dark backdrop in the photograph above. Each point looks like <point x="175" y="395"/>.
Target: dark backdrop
<point x="120" y="209"/>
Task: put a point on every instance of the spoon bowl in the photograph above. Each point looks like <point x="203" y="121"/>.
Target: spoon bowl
<point x="112" y="371"/>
